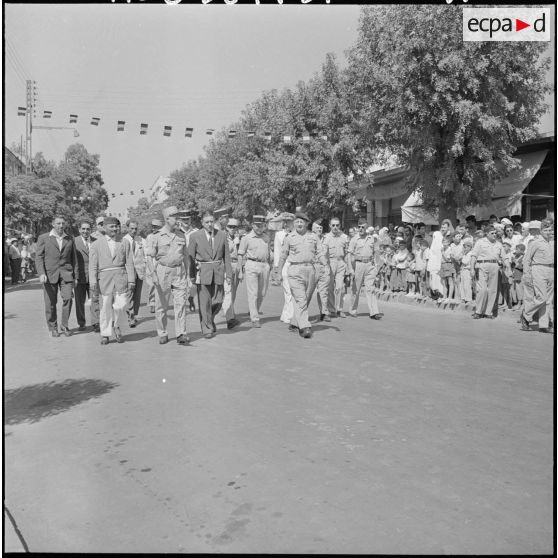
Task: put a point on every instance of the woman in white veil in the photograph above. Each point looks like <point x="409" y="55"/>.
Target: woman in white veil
<point x="434" y="264"/>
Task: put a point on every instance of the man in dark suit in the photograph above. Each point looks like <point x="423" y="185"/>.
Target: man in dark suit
<point x="56" y="262"/>
<point x="81" y="273"/>
<point x="210" y="263"/>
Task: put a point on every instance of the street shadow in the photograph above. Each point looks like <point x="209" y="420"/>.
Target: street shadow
<point x="138" y="336"/>
<point x="29" y="286"/>
<point x="38" y="401"/>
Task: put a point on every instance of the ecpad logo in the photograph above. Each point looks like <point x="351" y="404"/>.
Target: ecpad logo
<point x="506" y="24"/>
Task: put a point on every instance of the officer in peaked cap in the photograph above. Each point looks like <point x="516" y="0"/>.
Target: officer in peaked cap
<point x="229" y="297"/>
<point x="222" y="216"/>
<point x="169" y="272"/>
<point x="185" y="217"/>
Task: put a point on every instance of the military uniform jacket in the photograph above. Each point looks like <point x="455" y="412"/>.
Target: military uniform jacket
<point x="302" y="248"/>
<point x="212" y="263"/>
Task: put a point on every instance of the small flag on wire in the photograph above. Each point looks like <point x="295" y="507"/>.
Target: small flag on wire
<point x="306" y="138"/>
<point x="188" y="132"/>
<point x="287" y="139"/>
<point x="232" y="133"/>
<point x="209" y="131"/>
<point x="143" y="129"/>
<point x="21" y="111"/>
<point x="114" y="195"/>
<point x="251" y="133"/>
<point x="142" y="191"/>
<point x="267" y="136"/>
<point x="167" y="131"/>
<point x="95" y="121"/>
<point x="121" y="193"/>
<point x="131" y="192"/>
<point x="47" y="114"/>
<point x="73" y="118"/>
<point x="74" y="198"/>
<point x="120" y="125"/>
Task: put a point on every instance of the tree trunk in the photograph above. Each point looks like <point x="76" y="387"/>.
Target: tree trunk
<point x="448" y="210"/>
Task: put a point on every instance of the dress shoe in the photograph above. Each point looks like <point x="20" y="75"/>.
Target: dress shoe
<point x="353" y="314"/>
<point x="133" y="322"/>
<point x="322" y="316"/>
<point x="232" y="323"/>
<point x="183" y="339"/>
<point x="82" y="328"/>
<point x="327" y="318"/>
<point x="546" y="329"/>
<point x="54" y="333"/>
<point x="209" y="335"/>
<point x="524" y="323"/>
<point x="152" y="308"/>
<point x="376" y="317"/>
<point x="341" y="314"/>
<point x="214" y="328"/>
<point x="293" y="328"/>
<point x="104" y="340"/>
<point x="96" y="328"/>
<point x="65" y="331"/>
<point x="306" y="332"/>
<point x="191" y="303"/>
<point x="256" y="323"/>
<point x="164" y="339"/>
<point x="477" y="316"/>
<point x="118" y="335"/>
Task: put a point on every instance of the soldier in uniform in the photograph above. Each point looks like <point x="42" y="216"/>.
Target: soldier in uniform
<point x="538" y="272"/>
<point x="337" y="244"/>
<point x="254" y="255"/>
<point x="156" y="225"/>
<point x="302" y="248"/>
<point x="185" y="225"/>
<point x="322" y="276"/>
<point x="169" y="273"/>
<point x="362" y="265"/>
<point x="486" y="256"/>
<point x="230" y="288"/>
<point x="288" y="308"/>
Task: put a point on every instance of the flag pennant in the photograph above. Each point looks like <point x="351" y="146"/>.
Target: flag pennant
<point x="143" y="129"/>
<point x="232" y="133"/>
<point x="167" y="131"/>
<point x="189" y="132"/>
<point x="120" y="125"/>
<point x="114" y="195"/>
<point x="131" y="192"/>
<point x="251" y="133"/>
<point x="306" y="138"/>
<point x="209" y="131"/>
<point x="21" y="111"/>
<point x="95" y="121"/>
<point x="121" y="193"/>
<point x="47" y="114"/>
<point x="287" y="139"/>
<point x="267" y="136"/>
<point x="142" y="191"/>
<point x="73" y="118"/>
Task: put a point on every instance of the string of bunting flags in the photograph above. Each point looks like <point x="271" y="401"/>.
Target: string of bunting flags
<point x="189" y="131"/>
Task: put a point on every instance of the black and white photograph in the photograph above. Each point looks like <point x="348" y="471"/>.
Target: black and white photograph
<point x="278" y="278"/>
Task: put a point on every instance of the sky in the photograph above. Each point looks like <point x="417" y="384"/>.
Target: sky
<point x="180" y="65"/>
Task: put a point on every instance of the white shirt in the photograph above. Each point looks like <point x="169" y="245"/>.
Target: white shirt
<point x="112" y="246"/>
<point x="59" y="239"/>
<point x="87" y="242"/>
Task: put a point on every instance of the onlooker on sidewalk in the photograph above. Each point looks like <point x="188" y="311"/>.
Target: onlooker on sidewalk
<point x="15" y="260"/>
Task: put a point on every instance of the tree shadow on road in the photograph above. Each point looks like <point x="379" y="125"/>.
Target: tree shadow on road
<point x="35" y="402"/>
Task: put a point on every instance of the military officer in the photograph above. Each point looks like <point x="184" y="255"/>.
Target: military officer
<point x="538" y="271"/>
<point x="362" y="265"/>
<point x="185" y="225"/>
<point x="254" y="255"/>
<point x="486" y="256"/>
<point x="231" y="288"/>
<point x="156" y="225"/>
<point x="169" y="273"/>
<point x="288" y="308"/>
<point x="337" y="244"/>
<point x="322" y="275"/>
<point x="302" y="248"/>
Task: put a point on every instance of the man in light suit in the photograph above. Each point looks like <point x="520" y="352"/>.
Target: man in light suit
<point x="55" y="263"/>
<point x="111" y="266"/>
<point x="136" y="245"/>
<point x="209" y="262"/>
<point x="82" y="290"/>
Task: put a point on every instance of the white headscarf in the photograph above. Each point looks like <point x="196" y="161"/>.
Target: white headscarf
<point x="435" y="257"/>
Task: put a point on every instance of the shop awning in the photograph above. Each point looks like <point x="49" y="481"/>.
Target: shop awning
<point x="506" y="199"/>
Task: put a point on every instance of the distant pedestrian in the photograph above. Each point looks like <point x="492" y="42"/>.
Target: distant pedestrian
<point x="15" y="261"/>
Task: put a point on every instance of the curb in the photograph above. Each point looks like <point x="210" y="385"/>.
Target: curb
<point x="13" y="541"/>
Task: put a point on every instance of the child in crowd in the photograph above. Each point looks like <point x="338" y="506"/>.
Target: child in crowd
<point x="400" y="261"/>
<point x="456" y="255"/>
<point x="506" y="273"/>
<point x="380" y="263"/>
<point x="447" y="270"/>
<point x="410" y="275"/>
<point x="420" y="254"/>
<point x="388" y="257"/>
<point x="465" y="272"/>
<point x="517" y="267"/>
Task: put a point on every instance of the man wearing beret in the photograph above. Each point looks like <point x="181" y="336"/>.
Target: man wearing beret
<point x="111" y="267"/>
<point x="156" y="225"/>
<point x="169" y="273"/>
<point x="230" y="288"/>
<point x="303" y="248"/>
<point x="254" y="254"/>
<point x="210" y="267"/>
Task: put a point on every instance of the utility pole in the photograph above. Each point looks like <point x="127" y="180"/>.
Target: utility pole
<point x="29" y="126"/>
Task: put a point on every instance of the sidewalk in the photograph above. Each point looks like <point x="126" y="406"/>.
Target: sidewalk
<point x="12" y="542"/>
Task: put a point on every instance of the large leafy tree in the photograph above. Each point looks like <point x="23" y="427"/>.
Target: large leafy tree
<point x="453" y="111"/>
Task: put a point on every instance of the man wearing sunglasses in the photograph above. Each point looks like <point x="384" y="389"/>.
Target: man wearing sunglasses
<point x="362" y="264"/>
<point x="322" y="276"/>
<point x="337" y="244"/>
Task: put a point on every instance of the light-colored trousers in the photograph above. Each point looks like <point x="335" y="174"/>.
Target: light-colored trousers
<point x="322" y="287"/>
<point x="150" y="285"/>
<point x="288" y="307"/>
<point x="543" y="295"/>
<point x="466" y="285"/>
<point x="365" y="274"/>
<point x="486" y="288"/>
<point x="336" y="293"/>
<point x="230" y="293"/>
<point x="256" y="275"/>
<point x="302" y="280"/>
<point x="113" y="311"/>
<point x="171" y="280"/>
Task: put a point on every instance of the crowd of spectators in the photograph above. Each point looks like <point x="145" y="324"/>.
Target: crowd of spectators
<point x="19" y="258"/>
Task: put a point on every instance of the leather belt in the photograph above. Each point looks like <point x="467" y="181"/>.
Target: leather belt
<point x="256" y="260"/>
<point x="302" y="263"/>
<point x="366" y="260"/>
<point x="487" y="261"/>
<point x="112" y="268"/>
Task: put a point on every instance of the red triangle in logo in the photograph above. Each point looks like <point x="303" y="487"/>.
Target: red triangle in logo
<point x="519" y="25"/>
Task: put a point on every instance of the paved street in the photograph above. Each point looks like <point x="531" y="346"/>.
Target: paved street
<point x="427" y="432"/>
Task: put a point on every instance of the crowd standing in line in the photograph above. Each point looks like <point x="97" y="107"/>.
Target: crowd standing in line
<point x="495" y="265"/>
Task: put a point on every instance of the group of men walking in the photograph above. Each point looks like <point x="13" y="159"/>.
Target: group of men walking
<point x="179" y="261"/>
